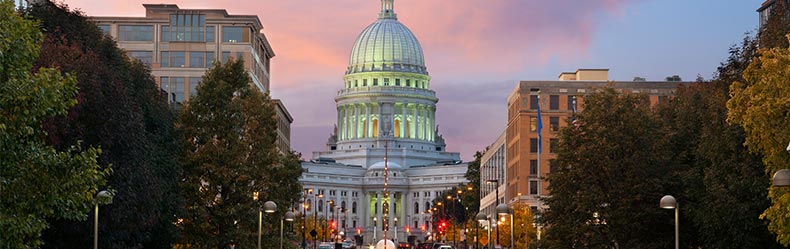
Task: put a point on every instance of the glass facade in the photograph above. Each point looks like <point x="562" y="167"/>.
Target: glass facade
<point x="135" y="32"/>
<point x="143" y="56"/>
<point x="233" y="34"/>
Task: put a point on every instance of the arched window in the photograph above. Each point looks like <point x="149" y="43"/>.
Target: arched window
<point x="320" y="205"/>
<point x="416" y="208"/>
<point x="307" y="205"/>
<point x="354" y="207"/>
<point x="427" y="206"/>
<point x="343" y="206"/>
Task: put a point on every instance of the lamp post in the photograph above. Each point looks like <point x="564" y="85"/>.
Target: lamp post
<point x="669" y="202"/>
<point x="315" y="219"/>
<point x="289" y="216"/>
<point x="503" y="210"/>
<point x="268" y="207"/>
<point x="304" y="216"/>
<point x="481" y="217"/>
<point x="395" y="235"/>
<point x="328" y="204"/>
<point x="495" y="181"/>
<point x="103" y="197"/>
<point x="375" y="222"/>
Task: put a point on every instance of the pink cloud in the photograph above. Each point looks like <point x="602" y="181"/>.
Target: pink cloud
<point x="465" y="42"/>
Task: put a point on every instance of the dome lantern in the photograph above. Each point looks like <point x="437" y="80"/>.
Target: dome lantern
<point x="388" y="10"/>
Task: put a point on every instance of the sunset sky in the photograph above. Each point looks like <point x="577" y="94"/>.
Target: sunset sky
<point x="476" y="50"/>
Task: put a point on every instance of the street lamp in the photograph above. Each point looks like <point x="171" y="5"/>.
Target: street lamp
<point x="375" y="222"/>
<point x="481" y="217"/>
<point x="268" y="207"/>
<point x="304" y="216"/>
<point x="503" y="210"/>
<point x="781" y="178"/>
<point x="103" y="197"/>
<point x="289" y="216"/>
<point x="669" y="202"/>
<point x="495" y="181"/>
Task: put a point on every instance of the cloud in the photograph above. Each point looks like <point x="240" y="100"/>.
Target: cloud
<point x="465" y="42"/>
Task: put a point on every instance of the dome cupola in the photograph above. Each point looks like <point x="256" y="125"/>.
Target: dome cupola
<point x="386" y="45"/>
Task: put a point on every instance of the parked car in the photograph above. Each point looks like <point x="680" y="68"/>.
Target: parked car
<point x="326" y="245"/>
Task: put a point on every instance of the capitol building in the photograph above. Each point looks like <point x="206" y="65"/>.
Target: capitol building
<point x="385" y="119"/>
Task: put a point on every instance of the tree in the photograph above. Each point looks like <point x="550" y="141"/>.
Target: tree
<point x="120" y="109"/>
<point x="229" y="131"/>
<point x="525" y="232"/>
<point x="37" y="181"/>
<point x="610" y="179"/>
<point x="760" y="105"/>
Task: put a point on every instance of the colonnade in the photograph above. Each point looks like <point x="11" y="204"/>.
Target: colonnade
<point x="361" y="120"/>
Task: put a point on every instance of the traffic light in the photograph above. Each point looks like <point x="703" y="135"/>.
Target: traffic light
<point x="332" y="224"/>
<point x="359" y="230"/>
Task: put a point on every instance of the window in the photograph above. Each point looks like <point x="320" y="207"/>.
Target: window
<point x="320" y="205"/>
<point x="554" y="102"/>
<point x="145" y="57"/>
<point x="427" y="206"/>
<point x="197" y="59"/>
<point x="533" y="124"/>
<point x="408" y="83"/>
<point x="210" y="34"/>
<point x="533" y="102"/>
<point x="533" y="187"/>
<point x="364" y="82"/>
<point x="533" y="167"/>
<point x="173" y="59"/>
<point x="386" y="81"/>
<point x="533" y="145"/>
<point x="135" y="33"/>
<point x="225" y="56"/>
<point x="571" y="103"/>
<point x="375" y="82"/>
<point x="193" y="84"/>
<point x="554" y="124"/>
<point x="187" y="27"/>
<point x="416" y="207"/>
<point x="553" y="166"/>
<point x="105" y="28"/>
<point x="174" y="87"/>
<point x="397" y="82"/>
<point x="239" y="55"/>
<point x="354" y="222"/>
<point x="553" y="144"/>
<point x="164" y="34"/>
<point x="354" y="207"/>
<point x="234" y="34"/>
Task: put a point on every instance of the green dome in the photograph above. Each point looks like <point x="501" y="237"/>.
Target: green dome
<point x="386" y="45"/>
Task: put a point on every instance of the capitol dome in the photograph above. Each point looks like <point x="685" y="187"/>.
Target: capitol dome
<point x="386" y="45"/>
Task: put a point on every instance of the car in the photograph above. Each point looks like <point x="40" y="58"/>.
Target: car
<point x="446" y="247"/>
<point x="325" y="245"/>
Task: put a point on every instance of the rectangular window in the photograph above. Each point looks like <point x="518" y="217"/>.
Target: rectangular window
<point x="232" y="34"/>
<point x="164" y="58"/>
<point x="174" y="88"/>
<point x="533" y="145"/>
<point x="533" y="187"/>
<point x="164" y="33"/>
<point x="533" y="102"/>
<point x="210" y="58"/>
<point x="197" y="59"/>
<point x="554" y="124"/>
<point x="553" y="166"/>
<point x="187" y="28"/>
<point x="225" y="56"/>
<point x="554" y="102"/>
<point x="408" y="83"/>
<point x="553" y="145"/>
<point x="375" y="82"/>
<point x="143" y="56"/>
<point x="239" y="55"/>
<point x="177" y="59"/>
<point x="397" y="82"/>
<point x="210" y="34"/>
<point x="386" y="81"/>
<point x="105" y="28"/>
<point x="135" y="33"/>
<point x="193" y="84"/>
<point x="164" y="84"/>
<point x="364" y="82"/>
<point x="571" y="103"/>
<point x="533" y="124"/>
<point x="533" y="167"/>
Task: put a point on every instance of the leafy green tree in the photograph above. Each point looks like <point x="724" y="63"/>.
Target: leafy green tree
<point x="525" y="232"/>
<point x="37" y="181"/>
<point x="229" y="132"/>
<point x="611" y="177"/>
<point x="760" y="105"/>
<point x="120" y="109"/>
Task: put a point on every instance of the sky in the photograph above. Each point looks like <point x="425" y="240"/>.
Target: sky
<point x="477" y="50"/>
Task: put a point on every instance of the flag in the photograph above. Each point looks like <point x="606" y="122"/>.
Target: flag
<point x="540" y="127"/>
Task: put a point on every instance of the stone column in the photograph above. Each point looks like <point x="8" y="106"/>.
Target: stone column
<point x="354" y="122"/>
<point x="378" y="209"/>
<point x="367" y="121"/>
<point x="402" y="120"/>
<point x="340" y="117"/>
<point x="414" y="123"/>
